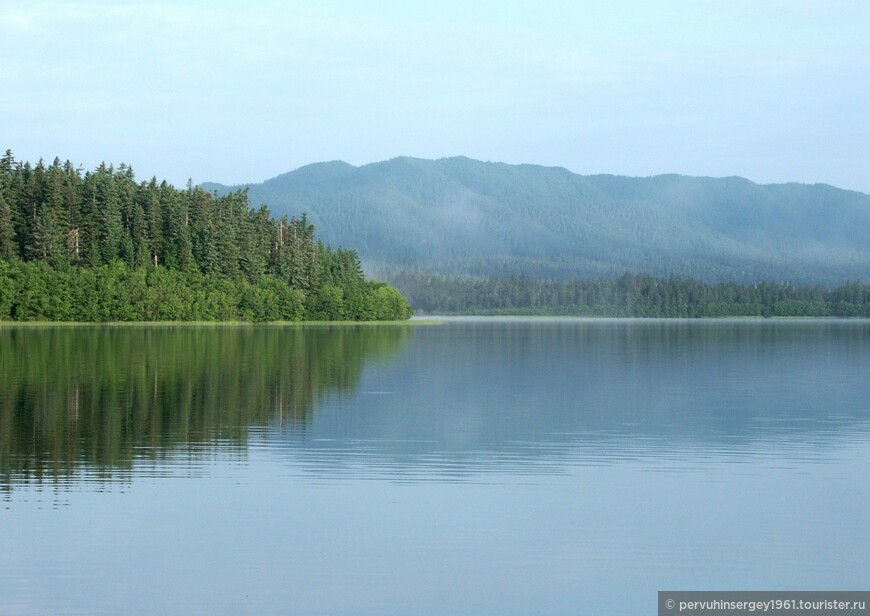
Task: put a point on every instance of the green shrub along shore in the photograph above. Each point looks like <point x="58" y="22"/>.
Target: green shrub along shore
<point x="98" y="246"/>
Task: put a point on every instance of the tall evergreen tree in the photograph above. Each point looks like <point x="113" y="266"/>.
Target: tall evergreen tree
<point x="177" y="249"/>
<point x="8" y="247"/>
<point x="7" y="163"/>
<point x="71" y="198"/>
<point x="109" y="211"/>
<point x="150" y="202"/>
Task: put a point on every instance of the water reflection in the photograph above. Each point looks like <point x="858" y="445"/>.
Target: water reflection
<point x="99" y="399"/>
<point x="472" y="396"/>
<point x="544" y="395"/>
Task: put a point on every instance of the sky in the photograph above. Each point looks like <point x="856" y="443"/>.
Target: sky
<point x="233" y="92"/>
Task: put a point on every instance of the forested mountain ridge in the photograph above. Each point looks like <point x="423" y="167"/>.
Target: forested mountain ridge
<point x="100" y="246"/>
<point x="462" y="216"/>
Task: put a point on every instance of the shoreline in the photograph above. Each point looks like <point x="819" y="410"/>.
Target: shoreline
<point x="405" y="323"/>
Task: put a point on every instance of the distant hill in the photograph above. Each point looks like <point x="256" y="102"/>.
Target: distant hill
<point x="463" y="216"/>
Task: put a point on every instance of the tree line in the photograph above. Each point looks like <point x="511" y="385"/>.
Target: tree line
<point x="631" y="295"/>
<point x="100" y="246"/>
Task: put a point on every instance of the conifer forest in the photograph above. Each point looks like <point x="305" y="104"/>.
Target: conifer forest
<point x="101" y="246"/>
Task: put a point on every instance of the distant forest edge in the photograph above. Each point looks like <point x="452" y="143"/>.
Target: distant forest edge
<point x="629" y="296"/>
<point x="465" y="217"/>
<point x="99" y="246"/>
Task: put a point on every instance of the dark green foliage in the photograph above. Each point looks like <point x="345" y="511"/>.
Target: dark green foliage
<point x="8" y="247"/>
<point x="101" y="247"/>
<point x="466" y="217"/>
<point x="629" y="296"/>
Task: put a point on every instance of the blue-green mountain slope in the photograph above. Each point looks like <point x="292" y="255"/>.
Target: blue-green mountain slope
<point x="463" y="216"/>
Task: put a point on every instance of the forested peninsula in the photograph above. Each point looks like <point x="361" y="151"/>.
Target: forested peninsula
<point x="100" y="246"/>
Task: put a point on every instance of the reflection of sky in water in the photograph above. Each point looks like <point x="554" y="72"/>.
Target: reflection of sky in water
<point x="262" y="536"/>
<point x="536" y="396"/>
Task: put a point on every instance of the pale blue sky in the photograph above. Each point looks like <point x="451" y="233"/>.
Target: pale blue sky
<point x="242" y="91"/>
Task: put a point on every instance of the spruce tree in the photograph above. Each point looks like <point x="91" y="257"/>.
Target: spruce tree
<point x="109" y="212"/>
<point x="150" y="203"/>
<point x="72" y="203"/>
<point x="8" y="247"/>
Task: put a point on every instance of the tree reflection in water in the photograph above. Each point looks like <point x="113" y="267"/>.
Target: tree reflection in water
<point x="100" y="398"/>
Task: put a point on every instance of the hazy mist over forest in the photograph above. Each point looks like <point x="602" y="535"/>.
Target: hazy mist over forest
<point x="468" y="217"/>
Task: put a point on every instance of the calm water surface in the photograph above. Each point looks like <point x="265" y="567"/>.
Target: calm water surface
<point x="481" y="466"/>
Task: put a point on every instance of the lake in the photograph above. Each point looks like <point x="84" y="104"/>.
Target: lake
<point x="478" y="466"/>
